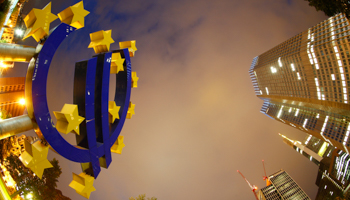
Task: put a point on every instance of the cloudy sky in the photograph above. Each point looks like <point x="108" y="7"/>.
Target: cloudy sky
<point x="197" y="118"/>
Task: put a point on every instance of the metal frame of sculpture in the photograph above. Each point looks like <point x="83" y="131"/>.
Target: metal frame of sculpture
<point x="96" y="121"/>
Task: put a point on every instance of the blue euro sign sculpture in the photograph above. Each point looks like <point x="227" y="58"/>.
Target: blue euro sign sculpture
<point x="91" y="88"/>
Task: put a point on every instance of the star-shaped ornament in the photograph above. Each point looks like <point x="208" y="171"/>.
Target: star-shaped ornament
<point x="113" y="111"/>
<point x="101" y="41"/>
<point x="83" y="184"/>
<point x="131" y="45"/>
<point x="34" y="157"/>
<point x="117" y="63"/>
<point x="131" y="110"/>
<point x="74" y="15"/>
<point x="38" y="22"/>
<point x="118" y="145"/>
<point x="68" y="119"/>
<point x="134" y="79"/>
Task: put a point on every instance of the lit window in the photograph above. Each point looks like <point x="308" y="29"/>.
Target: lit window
<point x="280" y="112"/>
<point x="305" y="121"/>
<point x="333" y="77"/>
<point x="293" y="68"/>
<point x="296" y="113"/>
<point x="279" y="62"/>
<point x="267" y="90"/>
<point x="273" y="70"/>
<point x="339" y="63"/>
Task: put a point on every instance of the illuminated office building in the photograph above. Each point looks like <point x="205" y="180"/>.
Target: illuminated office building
<point x="313" y="148"/>
<point x="305" y="81"/>
<point x="282" y="187"/>
<point x="11" y="93"/>
<point x="334" y="166"/>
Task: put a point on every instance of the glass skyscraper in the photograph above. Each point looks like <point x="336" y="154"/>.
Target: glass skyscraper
<point x="282" y="187"/>
<point x="333" y="175"/>
<point x="305" y="81"/>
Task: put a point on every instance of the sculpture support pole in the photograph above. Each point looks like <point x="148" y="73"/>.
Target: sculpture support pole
<point x="15" y="125"/>
<point x="16" y="53"/>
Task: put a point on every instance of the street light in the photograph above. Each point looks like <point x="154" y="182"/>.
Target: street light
<point x="29" y="196"/>
<point x="19" y="32"/>
<point x="22" y="101"/>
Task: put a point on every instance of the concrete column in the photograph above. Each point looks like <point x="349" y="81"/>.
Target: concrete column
<point x="15" y="125"/>
<point x="16" y="53"/>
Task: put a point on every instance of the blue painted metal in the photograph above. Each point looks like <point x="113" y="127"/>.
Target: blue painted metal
<point x="95" y="100"/>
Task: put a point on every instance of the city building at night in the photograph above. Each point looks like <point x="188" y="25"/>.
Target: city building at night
<point x="304" y="81"/>
<point x="11" y="94"/>
<point x="333" y="175"/>
<point x="321" y="149"/>
<point x="282" y="186"/>
<point x="10" y="28"/>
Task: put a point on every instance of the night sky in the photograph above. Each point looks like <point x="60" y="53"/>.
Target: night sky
<point x="197" y="118"/>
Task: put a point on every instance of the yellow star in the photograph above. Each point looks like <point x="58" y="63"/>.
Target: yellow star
<point x="38" y="22"/>
<point x="118" y="145"/>
<point x="113" y="111"/>
<point x="131" y="45"/>
<point x="131" y="111"/>
<point x="68" y="119"/>
<point x="134" y="79"/>
<point x="83" y="184"/>
<point x="117" y="63"/>
<point x="34" y="157"/>
<point x="74" y="15"/>
<point x="101" y="41"/>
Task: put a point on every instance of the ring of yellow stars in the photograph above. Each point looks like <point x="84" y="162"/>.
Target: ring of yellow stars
<point x="101" y="41"/>
<point x="113" y="111"/>
<point x="83" y="184"/>
<point x="38" y="22"/>
<point x="74" y="15"/>
<point x="134" y="79"/>
<point x="34" y="157"/>
<point x="68" y="119"/>
<point x="131" y="110"/>
<point x="118" y="145"/>
<point x="131" y="45"/>
<point x="117" y="63"/>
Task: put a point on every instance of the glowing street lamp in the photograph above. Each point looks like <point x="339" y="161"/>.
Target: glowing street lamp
<point x="29" y="196"/>
<point x="19" y="32"/>
<point x="22" y="101"/>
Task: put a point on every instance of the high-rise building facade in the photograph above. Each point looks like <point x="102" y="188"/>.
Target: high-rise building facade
<point x="314" y="151"/>
<point x="11" y="93"/>
<point x="305" y="81"/>
<point x="333" y="175"/>
<point x="282" y="187"/>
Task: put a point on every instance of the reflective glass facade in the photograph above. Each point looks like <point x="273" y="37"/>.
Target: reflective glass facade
<point x="305" y="81"/>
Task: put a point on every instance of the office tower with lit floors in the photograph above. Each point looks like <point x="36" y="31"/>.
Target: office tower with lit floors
<point x="304" y="81"/>
<point x="282" y="186"/>
<point x="333" y="174"/>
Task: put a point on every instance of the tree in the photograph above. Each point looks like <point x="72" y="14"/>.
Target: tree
<point x="142" y="197"/>
<point x="28" y="183"/>
<point x="331" y="7"/>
